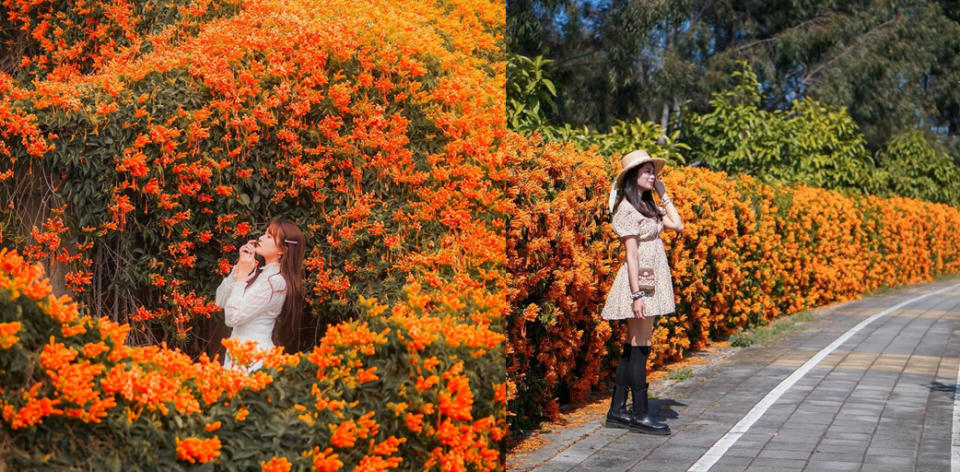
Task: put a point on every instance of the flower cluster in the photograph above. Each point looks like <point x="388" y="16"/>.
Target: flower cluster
<point x="392" y="391"/>
<point x="172" y="133"/>
<point x="749" y="252"/>
<point x="195" y="450"/>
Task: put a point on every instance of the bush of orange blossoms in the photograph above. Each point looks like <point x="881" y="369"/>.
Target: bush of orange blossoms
<point x="404" y="389"/>
<point x="141" y="143"/>
<point x="749" y="252"/>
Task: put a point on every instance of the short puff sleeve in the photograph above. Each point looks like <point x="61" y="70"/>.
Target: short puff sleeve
<point x="626" y="220"/>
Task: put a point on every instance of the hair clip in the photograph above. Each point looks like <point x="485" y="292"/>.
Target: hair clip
<point x="289" y="241"/>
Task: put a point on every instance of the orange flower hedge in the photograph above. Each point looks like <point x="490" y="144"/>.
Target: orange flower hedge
<point x="749" y="253"/>
<point x="161" y="136"/>
<point x="406" y="389"/>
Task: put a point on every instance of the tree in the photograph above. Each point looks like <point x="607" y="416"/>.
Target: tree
<point x="893" y="65"/>
<point x="812" y="143"/>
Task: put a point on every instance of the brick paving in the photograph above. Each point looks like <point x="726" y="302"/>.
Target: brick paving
<point x="882" y="401"/>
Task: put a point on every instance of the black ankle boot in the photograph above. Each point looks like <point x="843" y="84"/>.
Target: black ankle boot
<point x="640" y="421"/>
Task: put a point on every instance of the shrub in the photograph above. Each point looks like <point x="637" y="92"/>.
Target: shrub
<point x="161" y="137"/>
<point x="404" y="388"/>
<point x="141" y="143"/>
<point x="749" y="252"/>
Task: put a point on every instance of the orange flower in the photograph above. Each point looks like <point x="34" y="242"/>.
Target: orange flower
<point x="367" y="375"/>
<point x="388" y="446"/>
<point x="344" y="434"/>
<point x="196" y="450"/>
<point x="377" y="464"/>
<point x="456" y="400"/>
<point x="276" y="464"/>
<point x="425" y="384"/>
<point x="325" y="461"/>
<point x="242" y="229"/>
<point x="8" y="333"/>
<point x="413" y="421"/>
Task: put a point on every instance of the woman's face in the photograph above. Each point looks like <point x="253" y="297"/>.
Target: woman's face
<point x="646" y="176"/>
<point x="268" y="246"/>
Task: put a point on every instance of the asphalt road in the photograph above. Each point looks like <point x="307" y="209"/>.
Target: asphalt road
<point x="869" y="385"/>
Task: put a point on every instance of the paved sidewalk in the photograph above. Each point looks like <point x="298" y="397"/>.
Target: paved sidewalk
<point x="883" y="400"/>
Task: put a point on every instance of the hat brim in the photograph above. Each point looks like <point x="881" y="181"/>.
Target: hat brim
<point x="658" y="165"/>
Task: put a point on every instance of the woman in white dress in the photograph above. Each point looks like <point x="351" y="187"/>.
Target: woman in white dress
<point x="265" y="304"/>
<point x="642" y="289"/>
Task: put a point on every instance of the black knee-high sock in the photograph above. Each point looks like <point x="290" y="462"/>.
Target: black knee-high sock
<point x="638" y="366"/>
<point x="622" y="376"/>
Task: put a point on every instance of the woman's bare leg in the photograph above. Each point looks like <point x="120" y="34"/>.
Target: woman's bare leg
<point x="640" y="331"/>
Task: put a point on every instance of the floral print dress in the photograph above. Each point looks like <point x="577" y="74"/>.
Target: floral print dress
<point x="628" y="221"/>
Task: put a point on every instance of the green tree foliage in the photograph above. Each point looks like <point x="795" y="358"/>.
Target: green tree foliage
<point x="812" y="143"/>
<point x="893" y="65"/>
<point x="528" y="91"/>
<point x="531" y="93"/>
<point x="622" y="138"/>
<point x="914" y="167"/>
<point x="815" y="144"/>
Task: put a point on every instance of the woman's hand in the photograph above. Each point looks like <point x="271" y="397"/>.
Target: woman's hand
<point x="671" y="220"/>
<point x="639" y="309"/>
<point x="246" y="263"/>
<point x="658" y="186"/>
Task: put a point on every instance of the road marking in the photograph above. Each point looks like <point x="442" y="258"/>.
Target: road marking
<point x="720" y="447"/>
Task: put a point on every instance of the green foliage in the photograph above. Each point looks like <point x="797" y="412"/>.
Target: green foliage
<point x="772" y="332"/>
<point x="741" y="339"/>
<point x="680" y="374"/>
<point x="622" y="138"/>
<point x="275" y="425"/>
<point x="892" y="65"/>
<point x="812" y="143"/>
<point x="915" y="168"/>
<point x="529" y="91"/>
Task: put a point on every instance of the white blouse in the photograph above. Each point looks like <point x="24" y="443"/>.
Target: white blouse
<point x="252" y="312"/>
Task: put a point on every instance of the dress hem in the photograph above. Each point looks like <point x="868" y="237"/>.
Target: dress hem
<point x="631" y="316"/>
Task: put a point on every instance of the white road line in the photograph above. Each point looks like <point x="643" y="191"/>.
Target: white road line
<point x="720" y="447"/>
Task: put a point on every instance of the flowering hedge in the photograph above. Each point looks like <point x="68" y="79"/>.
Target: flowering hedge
<point x="154" y="138"/>
<point x="749" y="252"/>
<point x="142" y="142"/>
<point x="406" y="389"/>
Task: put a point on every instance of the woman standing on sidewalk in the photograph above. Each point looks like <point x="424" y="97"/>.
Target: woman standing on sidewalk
<point x="642" y="289"/>
<point x="265" y="304"/>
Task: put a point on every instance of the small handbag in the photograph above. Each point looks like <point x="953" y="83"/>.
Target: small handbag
<point x="645" y="280"/>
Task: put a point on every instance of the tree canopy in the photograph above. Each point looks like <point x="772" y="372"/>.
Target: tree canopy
<point x="894" y="66"/>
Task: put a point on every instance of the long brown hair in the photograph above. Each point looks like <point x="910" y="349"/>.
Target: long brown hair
<point x="642" y="202"/>
<point x="290" y="238"/>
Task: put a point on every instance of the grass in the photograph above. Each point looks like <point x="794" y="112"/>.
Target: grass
<point x="680" y="374"/>
<point x="884" y="290"/>
<point x="771" y="333"/>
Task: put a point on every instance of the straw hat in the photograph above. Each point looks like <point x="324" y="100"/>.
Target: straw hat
<point x="627" y="162"/>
